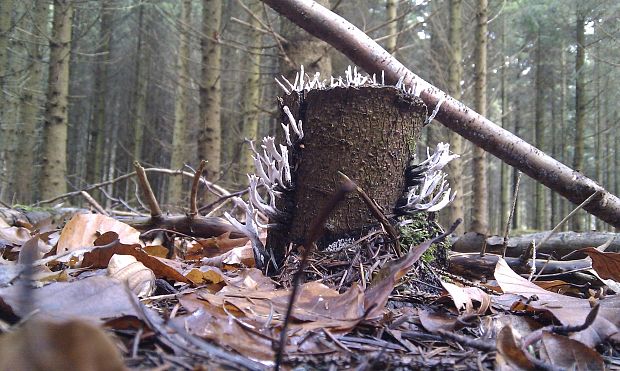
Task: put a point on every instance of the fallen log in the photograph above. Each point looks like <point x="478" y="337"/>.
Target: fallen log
<point x="198" y="226"/>
<point x="473" y="266"/>
<point x="559" y="244"/>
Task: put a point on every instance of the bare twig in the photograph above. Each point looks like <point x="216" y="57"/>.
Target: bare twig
<point x="512" y="212"/>
<point x="482" y="345"/>
<point x="211" y="186"/>
<point x="94" y="203"/>
<point x="147" y="191"/>
<point x="193" y="209"/>
<point x="566" y="218"/>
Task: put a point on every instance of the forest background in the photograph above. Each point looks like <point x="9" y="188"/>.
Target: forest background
<point x="90" y="86"/>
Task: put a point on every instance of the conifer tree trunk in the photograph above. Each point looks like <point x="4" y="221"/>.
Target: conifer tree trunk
<point x="210" y="138"/>
<point x="5" y="28"/>
<point x="98" y="133"/>
<point x="179" y="136"/>
<point x="391" y="12"/>
<point x="580" y="103"/>
<point x="455" y="167"/>
<point x="54" y="170"/>
<point x="539" y="130"/>
<point x="140" y="90"/>
<point x="564" y="206"/>
<point x="6" y="127"/>
<point x="30" y="103"/>
<point x="516" y="218"/>
<point x="252" y="93"/>
<point x="437" y="132"/>
<point x="480" y="211"/>
<point x="505" y="170"/>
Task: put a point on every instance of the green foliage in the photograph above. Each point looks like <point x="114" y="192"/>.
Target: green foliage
<point x="29" y="208"/>
<point x="421" y="229"/>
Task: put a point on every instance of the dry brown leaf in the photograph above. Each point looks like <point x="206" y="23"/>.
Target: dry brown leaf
<point x="214" y="246"/>
<point x="317" y="306"/>
<point x="156" y="250"/>
<point x="247" y="315"/>
<point x="570" y="311"/>
<point x="250" y="279"/>
<point x="83" y="229"/>
<point x="16" y="236"/>
<point x="226" y="331"/>
<point x="49" y="346"/>
<point x="234" y="259"/>
<point x="206" y="275"/>
<point x="94" y="298"/>
<point x="558" y="286"/>
<point x="376" y="296"/>
<point x="139" y="279"/>
<point x="606" y="264"/>
<point x="521" y="326"/>
<point x="570" y="354"/>
<point x="463" y="296"/>
<point x="433" y="322"/>
<point x="100" y="257"/>
<point x="249" y="336"/>
<point x="510" y="356"/>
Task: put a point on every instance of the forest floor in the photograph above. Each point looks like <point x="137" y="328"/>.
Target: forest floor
<point x="90" y="294"/>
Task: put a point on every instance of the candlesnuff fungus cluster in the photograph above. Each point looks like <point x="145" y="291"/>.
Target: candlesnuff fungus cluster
<point x="427" y="187"/>
<point x="427" y="181"/>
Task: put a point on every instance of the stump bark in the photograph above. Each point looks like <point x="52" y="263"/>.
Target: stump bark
<point x="367" y="133"/>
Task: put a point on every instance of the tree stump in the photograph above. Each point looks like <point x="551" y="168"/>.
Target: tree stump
<point x="369" y="134"/>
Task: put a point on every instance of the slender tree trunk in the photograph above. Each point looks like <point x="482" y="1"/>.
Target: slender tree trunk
<point x="31" y="101"/>
<point x="599" y="162"/>
<point x="391" y="12"/>
<point x="555" y="149"/>
<point x="436" y="132"/>
<point x="6" y="126"/>
<point x="98" y="132"/>
<point x="455" y="167"/>
<point x="617" y="156"/>
<point x="539" y="130"/>
<point x="5" y="31"/>
<point x="252" y="94"/>
<point x="210" y="138"/>
<point x="480" y="216"/>
<point x="580" y="103"/>
<point x="179" y="136"/>
<point x="563" y="111"/>
<point x="5" y="34"/>
<point x="54" y="170"/>
<point x="141" y="85"/>
<point x="505" y="171"/>
<point x="516" y="217"/>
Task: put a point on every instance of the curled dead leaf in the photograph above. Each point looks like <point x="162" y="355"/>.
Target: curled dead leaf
<point x="83" y="229"/>
<point x="139" y="279"/>
<point x="606" y="264"/>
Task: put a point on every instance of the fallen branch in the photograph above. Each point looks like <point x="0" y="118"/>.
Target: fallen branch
<point x="214" y="188"/>
<point x="560" y="243"/>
